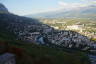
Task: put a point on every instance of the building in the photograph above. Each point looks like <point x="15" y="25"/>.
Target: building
<point x="75" y="27"/>
<point x="55" y="27"/>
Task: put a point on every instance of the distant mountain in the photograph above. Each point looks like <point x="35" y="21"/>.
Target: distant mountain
<point x="81" y="12"/>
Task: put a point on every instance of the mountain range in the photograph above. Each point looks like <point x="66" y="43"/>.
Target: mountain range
<point x="80" y="12"/>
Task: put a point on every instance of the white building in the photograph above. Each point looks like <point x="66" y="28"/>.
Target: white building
<point x="75" y="27"/>
<point x="55" y="27"/>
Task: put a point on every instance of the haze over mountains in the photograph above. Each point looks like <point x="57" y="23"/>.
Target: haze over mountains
<point x="80" y="12"/>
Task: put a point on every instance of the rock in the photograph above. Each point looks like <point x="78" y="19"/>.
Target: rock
<point x="3" y="9"/>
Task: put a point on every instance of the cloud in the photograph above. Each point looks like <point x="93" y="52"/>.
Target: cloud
<point x="90" y="1"/>
<point x="84" y="3"/>
<point x="71" y="5"/>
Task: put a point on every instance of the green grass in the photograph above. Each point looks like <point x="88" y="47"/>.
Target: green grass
<point x="35" y="54"/>
<point x="38" y="54"/>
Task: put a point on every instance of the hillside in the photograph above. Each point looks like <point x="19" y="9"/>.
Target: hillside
<point x="30" y="41"/>
<point x="33" y="31"/>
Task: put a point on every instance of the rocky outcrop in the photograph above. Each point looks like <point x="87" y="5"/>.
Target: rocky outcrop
<point x="3" y="9"/>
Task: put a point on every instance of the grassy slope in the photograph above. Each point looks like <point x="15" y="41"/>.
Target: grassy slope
<point x="35" y="54"/>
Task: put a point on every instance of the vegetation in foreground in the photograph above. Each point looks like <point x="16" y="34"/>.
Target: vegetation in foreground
<point x="38" y="54"/>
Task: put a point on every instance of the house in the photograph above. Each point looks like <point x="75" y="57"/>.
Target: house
<point x="94" y="45"/>
<point x="55" y="27"/>
<point x="75" y="27"/>
<point x="7" y="58"/>
<point x="93" y="36"/>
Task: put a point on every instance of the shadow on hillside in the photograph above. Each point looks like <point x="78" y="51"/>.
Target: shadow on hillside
<point x="44" y="53"/>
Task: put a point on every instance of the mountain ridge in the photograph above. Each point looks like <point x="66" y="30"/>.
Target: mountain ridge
<point x="82" y="12"/>
<point x="3" y="9"/>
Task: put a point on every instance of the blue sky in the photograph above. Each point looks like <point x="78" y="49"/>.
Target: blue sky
<point x="24" y="7"/>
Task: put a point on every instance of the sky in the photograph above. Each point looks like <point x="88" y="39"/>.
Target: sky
<point x="25" y="7"/>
